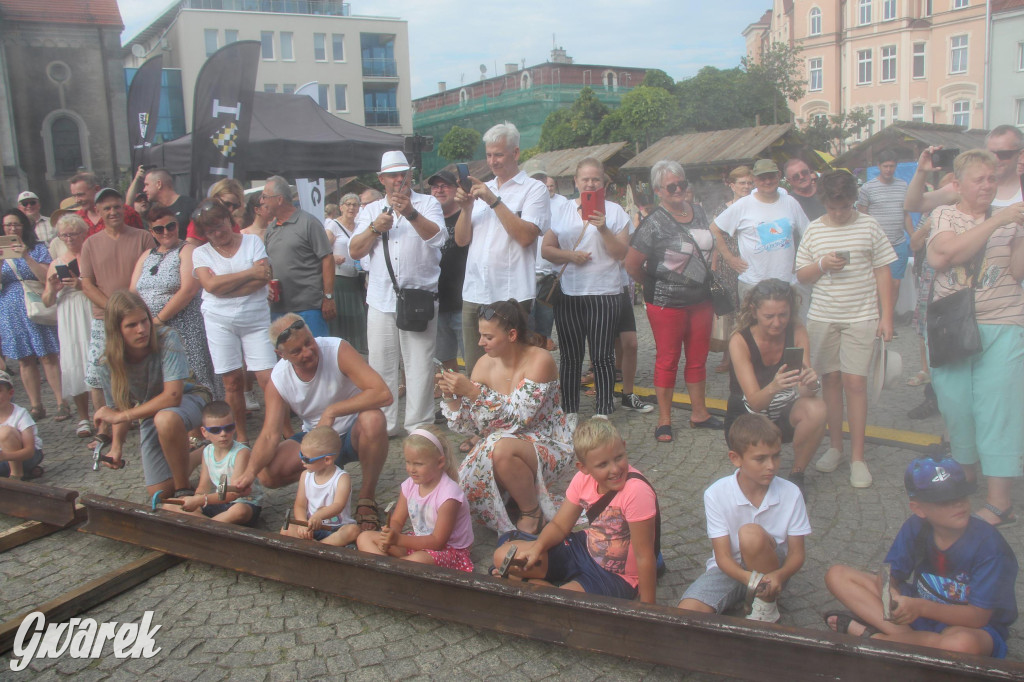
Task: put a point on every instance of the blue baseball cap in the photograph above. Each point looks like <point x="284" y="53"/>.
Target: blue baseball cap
<point x="929" y="481"/>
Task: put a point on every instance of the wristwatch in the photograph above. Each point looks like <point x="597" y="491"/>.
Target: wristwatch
<point x="412" y="216"/>
<point x="329" y="297"/>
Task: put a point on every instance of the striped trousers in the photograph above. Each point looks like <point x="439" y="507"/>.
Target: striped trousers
<point x="582" y="319"/>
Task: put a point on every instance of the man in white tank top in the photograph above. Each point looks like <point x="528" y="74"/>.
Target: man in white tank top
<point x="326" y="383"/>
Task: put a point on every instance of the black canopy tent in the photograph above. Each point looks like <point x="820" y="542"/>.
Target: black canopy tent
<point x="293" y="137"/>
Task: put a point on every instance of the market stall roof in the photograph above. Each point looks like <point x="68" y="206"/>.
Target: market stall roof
<point x="908" y="139"/>
<point x="561" y="163"/>
<point x="292" y="136"/>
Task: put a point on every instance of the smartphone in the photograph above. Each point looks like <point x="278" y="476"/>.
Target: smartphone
<point x="11" y="246"/>
<point x="845" y="255"/>
<point x="944" y="158"/>
<point x="591" y="202"/>
<point x="73" y="266"/>
<point x="63" y="271"/>
<point x="793" y="358"/>
<point x="439" y="367"/>
<point x="464" y="182"/>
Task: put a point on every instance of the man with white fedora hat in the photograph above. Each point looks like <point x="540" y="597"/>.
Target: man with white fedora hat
<point x="401" y="235"/>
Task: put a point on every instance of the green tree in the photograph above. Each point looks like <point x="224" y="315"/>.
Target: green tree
<point x="656" y="78"/>
<point x="829" y="133"/>
<point x="780" y="71"/>
<point x="575" y="126"/>
<point x="646" y="114"/>
<point x="718" y="99"/>
<point x="459" y="144"/>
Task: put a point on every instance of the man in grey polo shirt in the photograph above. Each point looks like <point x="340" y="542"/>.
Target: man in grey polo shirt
<point x="882" y="199"/>
<point x="301" y="257"/>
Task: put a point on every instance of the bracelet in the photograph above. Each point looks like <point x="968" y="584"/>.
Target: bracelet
<point x="206" y="501"/>
<point x="157" y="318"/>
<point x="496" y="202"/>
<point x="375" y="230"/>
<point x="412" y="216"/>
<point x="819" y="265"/>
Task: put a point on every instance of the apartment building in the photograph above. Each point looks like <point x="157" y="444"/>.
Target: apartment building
<point x="902" y="60"/>
<point x="1006" y="57"/>
<point x="360" y="63"/>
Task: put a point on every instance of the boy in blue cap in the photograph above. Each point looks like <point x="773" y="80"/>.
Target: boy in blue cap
<point x="952" y="573"/>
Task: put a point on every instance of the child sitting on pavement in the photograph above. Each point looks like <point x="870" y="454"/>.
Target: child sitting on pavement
<point x="952" y="573"/>
<point x="615" y="555"/>
<point x="756" y="522"/>
<point x="21" y="448"/>
<point x="223" y="456"/>
<point x="324" y="492"/>
<point x="435" y="505"/>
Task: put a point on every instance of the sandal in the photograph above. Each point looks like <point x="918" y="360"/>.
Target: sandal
<point x="920" y="379"/>
<point x="468" y="444"/>
<point x="63" y="413"/>
<point x="843" y="620"/>
<point x="587" y="378"/>
<point x="663" y="434"/>
<point x="534" y="513"/>
<point x="366" y="521"/>
<point x="38" y="412"/>
<point x="84" y="429"/>
<point x="1006" y="516"/>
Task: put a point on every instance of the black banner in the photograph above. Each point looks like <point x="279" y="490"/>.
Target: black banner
<point x="222" y="113"/>
<point x="144" y="106"/>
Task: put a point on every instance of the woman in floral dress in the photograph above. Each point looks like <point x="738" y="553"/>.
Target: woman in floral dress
<point x="513" y="404"/>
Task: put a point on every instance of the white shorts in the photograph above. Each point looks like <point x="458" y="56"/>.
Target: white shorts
<point x="234" y="342"/>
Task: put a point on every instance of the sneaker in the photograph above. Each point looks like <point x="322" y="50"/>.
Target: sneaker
<point x="601" y="416"/>
<point x="860" y="477"/>
<point x="929" y="408"/>
<point x="764" y="611"/>
<point x="829" y="462"/>
<point x="251" y="404"/>
<point x="636" y="403"/>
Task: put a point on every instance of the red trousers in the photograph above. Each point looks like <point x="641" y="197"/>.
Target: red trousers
<point x="676" y="329"/>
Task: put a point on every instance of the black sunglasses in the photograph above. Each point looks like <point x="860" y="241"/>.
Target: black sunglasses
<point x="230" y="205"/>
<point x="1007" y="154"/>
<point x="217" y="430"/>
<point x="28" y="202"/>
<point x="310" y="460"/>
<point x="160" y="229"/>
<point x="488" y="313"/>
<point x="287" y="333"/>
<point x="674" y="187"/>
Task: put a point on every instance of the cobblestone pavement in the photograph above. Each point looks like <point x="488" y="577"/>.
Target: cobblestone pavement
<point x="218" y="624"/>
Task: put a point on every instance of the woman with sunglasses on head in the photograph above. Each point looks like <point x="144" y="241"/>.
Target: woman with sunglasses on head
<point x="233" y="270"/>
<point x="145" y="376"/>
<point x="664" y="258"/>
<point x="163" y="278"/>
<point x="512" y="402"/>
<point x="229" y="194"/>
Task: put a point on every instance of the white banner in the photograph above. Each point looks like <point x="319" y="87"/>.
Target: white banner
<point x="311" y="191"/>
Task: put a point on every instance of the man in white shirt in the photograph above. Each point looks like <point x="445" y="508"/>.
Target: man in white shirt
<point x="410" y="222"/>
<point x="500" y="221"/>
<point x="28" y="202"/>
<point x="542" y="316"/>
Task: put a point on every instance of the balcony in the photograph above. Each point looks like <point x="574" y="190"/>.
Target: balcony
<point x="328" y="8"/>
<point x="382" y="118"/>
<point x="381" y="67"/>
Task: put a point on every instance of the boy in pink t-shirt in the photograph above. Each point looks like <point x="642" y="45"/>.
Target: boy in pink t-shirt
<point x="615" y="555"/>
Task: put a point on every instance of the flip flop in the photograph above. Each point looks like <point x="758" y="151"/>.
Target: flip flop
<point x="843" y="620"/>
<point x="63" y="413"/>
<point x="919" y="379"/>
<point x="711" y="422"/>
<point x="663" y="434"/>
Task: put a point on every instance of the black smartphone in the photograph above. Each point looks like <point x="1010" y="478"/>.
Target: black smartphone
<point x="63" y="271"/>
<point x="73" y="266"/>
<point x="793" y="358"/>
<point x="845" y="255"/>
<point x="464" y="182"/>
<point x="944" y="158"/>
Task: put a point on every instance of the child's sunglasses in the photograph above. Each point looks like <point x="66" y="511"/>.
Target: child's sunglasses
<point x="310" y="460"/>
<point x="217" y="430"/>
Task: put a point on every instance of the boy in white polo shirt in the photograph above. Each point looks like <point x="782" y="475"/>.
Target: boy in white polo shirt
<point x="756" y="522"/>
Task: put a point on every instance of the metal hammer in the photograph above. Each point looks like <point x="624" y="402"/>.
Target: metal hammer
<point x="157" y="499"/>
<point x="509" y="561"/>
<point x="289" y="520"/>
<point x="102" y="441"/>
<point x="223" y="489"/>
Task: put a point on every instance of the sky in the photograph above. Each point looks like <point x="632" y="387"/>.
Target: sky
<point x="450" y="39"/>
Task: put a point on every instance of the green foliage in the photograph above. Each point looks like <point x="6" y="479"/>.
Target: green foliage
<point x="527" y="154"/>
<point x="779" y="71"/>
<point x="656" y="78"/>
<point x="828" y="133"/>
<point x="575" y="126"/>
<point x="648" y="114"/>
<point x="718" y="99"/>
<point x="459" y="144"/>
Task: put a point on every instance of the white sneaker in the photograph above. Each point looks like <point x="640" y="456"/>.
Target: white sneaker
<point x="829" y="462"/>
<point x="860" y="477"/>
<point x="764" y="611"/>
<point x="251" y="404"/>
<point x="601" y="416"/>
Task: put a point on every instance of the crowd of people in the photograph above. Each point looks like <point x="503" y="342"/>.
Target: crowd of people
<point x="162" y="311"/>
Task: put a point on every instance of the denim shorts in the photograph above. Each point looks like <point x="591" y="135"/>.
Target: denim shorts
<point x="570" y="560"/>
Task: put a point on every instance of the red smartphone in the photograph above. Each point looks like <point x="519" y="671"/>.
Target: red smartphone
<point x="591" y="202"/>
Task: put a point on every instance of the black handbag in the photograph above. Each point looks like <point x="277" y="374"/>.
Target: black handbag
<point x="549" y="288"/>
<point x="722" y="300"/>
<point x="952" y="327"/>
<point x="414" y="308"/>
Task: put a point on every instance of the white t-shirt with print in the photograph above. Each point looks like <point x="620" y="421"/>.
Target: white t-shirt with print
<point x="764" y="233"/>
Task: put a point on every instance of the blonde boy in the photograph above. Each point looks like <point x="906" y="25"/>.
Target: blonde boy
<point x="322" y="499"/>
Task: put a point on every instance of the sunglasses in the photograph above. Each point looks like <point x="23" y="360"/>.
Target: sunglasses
<point x="217" y="430"/>
<point x="802" y="174"/>
<point x="1007" y="154"/>
<point x="488" y="313"/>
<point x="170" y="227"/>
<point x="310" y="460"/>
<point x="29" y="202"/>
<point x="287" y="333"/>
<point x="674" y="187"/>
<point x="230" y="205"/>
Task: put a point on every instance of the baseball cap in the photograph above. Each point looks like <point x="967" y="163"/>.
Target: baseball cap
<point x="5" y="378"/>
<point x="107" y="191"/>
<point x="444" y="176"/>
<point x="393" y="162"/>
<point x="763" y="166"/>
<point x="929" y="481"/>
<point x="27" y="195"/>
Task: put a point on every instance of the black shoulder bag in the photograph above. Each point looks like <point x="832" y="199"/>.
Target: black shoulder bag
<point x="952" y="326"/>
<point x="722" y="299"/>
<point x="414" y="308"/>
<point x="602" y="503"/>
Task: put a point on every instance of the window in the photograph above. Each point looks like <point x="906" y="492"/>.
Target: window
<point x="320" y="47"/>
<point x="525" y="81"/>
<point x="918" y="68"/>
<point x="230" y="36"/>
<point x="927" y="8"/>
<point x="287" y="47"/>
<point x="960" y="4"/>
<point x="895" y="113"/>
<point x="380" y="104"/>
<point x="918" y="113"/>
<point x="321" y="96"/>
<point x="341" y="98"/>
<point x="1020" y="112"/>
<point x="888" y="63"/>
<point x="814" y="80"/>
<point x="1020" y="56"/>
<point x="888" y="10"/>
<point x="958" y="54"/>
<point x="269" y="87"/>
<point x="378" y="52"/>
<point x="881" y="117"/>
<point x="962" y="113"/>
<point x="210" y="38"/>
<point x="267" y="43"/>
<point x="814" y="22"/>
<point x="67" y="146"/>
<point x="338" y="47"/>
<point x="863" y="67"/>
<point x="288" y="88"/>
<point x="864" y="14"/>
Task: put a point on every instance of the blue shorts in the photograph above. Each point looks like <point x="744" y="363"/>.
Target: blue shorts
<point x="998" y="643"/>
<point x="570" y="560"/>
<point x="27" y="466"/>
<point x="348" y="452"/>
<point x="211" y="510"/>
<point x="898" y="267"/>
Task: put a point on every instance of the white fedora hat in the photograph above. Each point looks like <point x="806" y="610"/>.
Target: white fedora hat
<point x="393" y="162"/>
<point x="886" y="369"/>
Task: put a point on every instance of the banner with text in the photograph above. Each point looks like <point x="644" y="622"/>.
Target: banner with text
<point x="144" y="106"/>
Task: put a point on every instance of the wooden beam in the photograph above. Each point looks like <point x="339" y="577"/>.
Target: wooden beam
<point x="90" y="594"/>
<point x="33" y="530"/>
<point x="656" y="634"/>
<point x="35" y="502"/>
